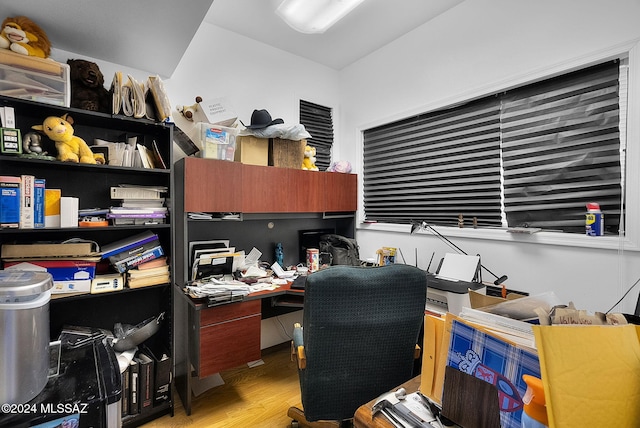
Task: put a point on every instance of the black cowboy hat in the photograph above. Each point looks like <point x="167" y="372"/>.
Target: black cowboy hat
<point x="261" y="119"/>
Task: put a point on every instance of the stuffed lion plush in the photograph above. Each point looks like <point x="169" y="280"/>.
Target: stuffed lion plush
<point x="70" y="147"/>
<point x="23" y="36"/>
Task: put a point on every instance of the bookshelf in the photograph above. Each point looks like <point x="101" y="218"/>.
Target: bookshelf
<point x="91" y="185"/>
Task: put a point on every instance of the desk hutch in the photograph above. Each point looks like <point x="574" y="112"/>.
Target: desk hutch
<point x="273" y="205"/>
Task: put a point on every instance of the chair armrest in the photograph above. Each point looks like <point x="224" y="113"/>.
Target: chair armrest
<point x="297" y="346"/>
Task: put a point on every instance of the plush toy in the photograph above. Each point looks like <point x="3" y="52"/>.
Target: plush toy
<point x="309" y="161"/>
<point x="87" y="86"/>
<point x="70" y="147"/>
<point x="340" y="166"/>
<point x="188" y="111"/>
<point x="23" y="36"/>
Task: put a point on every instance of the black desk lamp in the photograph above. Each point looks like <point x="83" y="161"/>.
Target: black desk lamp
<point x="424" y="225"/>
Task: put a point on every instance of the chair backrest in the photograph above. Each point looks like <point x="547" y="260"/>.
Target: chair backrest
<point x="361" y="325"/>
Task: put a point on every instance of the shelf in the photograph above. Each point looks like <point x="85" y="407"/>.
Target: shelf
<point x="91" y="185"/>
<point x="79" y="296"/>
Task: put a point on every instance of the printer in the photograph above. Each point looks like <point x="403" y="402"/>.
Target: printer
<point x="450" y="295"/>
<point x="448" y="289"/>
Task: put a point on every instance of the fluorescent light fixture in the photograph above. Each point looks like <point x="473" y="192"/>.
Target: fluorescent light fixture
<point x="314" y="16"/>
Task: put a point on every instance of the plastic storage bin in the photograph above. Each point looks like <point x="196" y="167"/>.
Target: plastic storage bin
<point x="216" y="142"/>
<point x="34" y="79"/>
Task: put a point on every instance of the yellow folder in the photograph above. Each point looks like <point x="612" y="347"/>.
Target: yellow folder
<point x="591" y="374"/>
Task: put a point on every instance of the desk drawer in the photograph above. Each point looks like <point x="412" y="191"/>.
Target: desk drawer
<point x="229" y="336"/>
<point x="228" y="312"/>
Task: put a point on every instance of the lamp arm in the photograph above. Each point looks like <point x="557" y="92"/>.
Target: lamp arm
<point x="498" y="281"/>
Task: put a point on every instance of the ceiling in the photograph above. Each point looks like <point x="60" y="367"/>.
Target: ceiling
<point x="153" y="35"/>
<point x="370" y="26"/>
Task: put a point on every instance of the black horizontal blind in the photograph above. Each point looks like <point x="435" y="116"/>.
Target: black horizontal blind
<point x="435" y="167"/>
<point x="561" y="149"/>
<point x="318" y="122"/>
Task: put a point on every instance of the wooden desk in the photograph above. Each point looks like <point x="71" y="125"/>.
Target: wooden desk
<point x="363" y="417"/>
<point x="225" y="336"/>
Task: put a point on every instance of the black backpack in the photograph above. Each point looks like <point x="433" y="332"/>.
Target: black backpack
<point x="338" y="250"/>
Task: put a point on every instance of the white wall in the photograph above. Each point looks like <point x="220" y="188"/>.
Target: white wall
<point x="475" y="46"/>
<point x="251" y="75"/>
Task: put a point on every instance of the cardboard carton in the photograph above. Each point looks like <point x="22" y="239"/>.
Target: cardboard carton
<point x="252" y="150"/>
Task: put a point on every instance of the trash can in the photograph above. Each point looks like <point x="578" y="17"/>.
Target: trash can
<point x="24" y="342"/>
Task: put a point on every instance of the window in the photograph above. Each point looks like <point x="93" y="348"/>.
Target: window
<point x="531" y="156"/>
<point x="318" y="122"/>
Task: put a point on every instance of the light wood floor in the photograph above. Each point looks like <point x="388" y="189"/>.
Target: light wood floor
<point x="257" y="397"/>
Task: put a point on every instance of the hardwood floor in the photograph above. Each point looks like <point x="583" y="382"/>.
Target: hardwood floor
<point x="257" y="397"/>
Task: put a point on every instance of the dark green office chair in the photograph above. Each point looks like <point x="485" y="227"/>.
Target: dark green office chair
<point x="358" y="339"/>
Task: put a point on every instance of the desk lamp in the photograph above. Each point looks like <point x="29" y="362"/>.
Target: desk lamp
<point x="424" y="225"/>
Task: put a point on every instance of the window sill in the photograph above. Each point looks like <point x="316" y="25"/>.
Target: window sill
<point x="612" y="242"/>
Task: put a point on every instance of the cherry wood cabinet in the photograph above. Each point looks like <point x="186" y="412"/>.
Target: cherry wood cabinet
<point x="220" y="186"/>
<point x="227" y="336"/>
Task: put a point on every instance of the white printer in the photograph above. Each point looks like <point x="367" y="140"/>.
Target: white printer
<point x="448" y="289"/>
<point x="447" y="295"/>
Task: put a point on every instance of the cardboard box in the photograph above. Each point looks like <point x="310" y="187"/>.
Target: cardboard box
<point x="219" y="111"/>
<point x="286" y="153"/>
<point x="252" y="150"/>
<point x="60" y="270"/>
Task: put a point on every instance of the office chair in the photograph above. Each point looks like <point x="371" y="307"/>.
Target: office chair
<point x="358" y="338"/>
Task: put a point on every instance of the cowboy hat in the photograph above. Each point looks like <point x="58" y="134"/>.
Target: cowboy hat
<point x="262" y="119"/>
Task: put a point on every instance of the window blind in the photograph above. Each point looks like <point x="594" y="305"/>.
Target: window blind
<point x="435" y="167"/>
<point x="318" y="122"/>
<point x="561" y="149"/>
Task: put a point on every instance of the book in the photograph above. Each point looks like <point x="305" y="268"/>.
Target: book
<point x="135" y="273"/>
<point x="27" y="188"/>
<point x="136" y="215"/>
<point x="71" y="249"/>
<point x="127" y="243"/>
<point x="9" y="201"/>
<point x="38" y="202"/>
<point x="124" y="265"/>
<point x="160" y="261"/>
<point x="134" y="385"/>
<point x="162" y="375"/>
<point x="149" y="281"/>
<point x="126" y="390"/>
<point x="145" y="382"/>
<point x="142" y="203"/>
<point x="138" y="210"/>
<point x="137" y="192"/>
<point x="134" y="251"/>
<point x="158" y="160"/>
<point x="127" y="221"/>
<point x="52" y="208"/>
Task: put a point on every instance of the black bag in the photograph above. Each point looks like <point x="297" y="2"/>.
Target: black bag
<point x="338" y="250"/>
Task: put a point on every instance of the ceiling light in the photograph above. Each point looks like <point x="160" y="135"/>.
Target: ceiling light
<point x="314" y="16"/>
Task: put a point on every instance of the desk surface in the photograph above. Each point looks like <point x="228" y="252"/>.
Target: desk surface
<point x="363" y="417"/>
<point x="280" y="292"/>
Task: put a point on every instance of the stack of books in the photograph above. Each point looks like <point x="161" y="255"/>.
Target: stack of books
<point x="22" y="203"/>
<point x="133" y="251"/>
<point x="150" y="273"/>
<point x="140" y="205"/>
